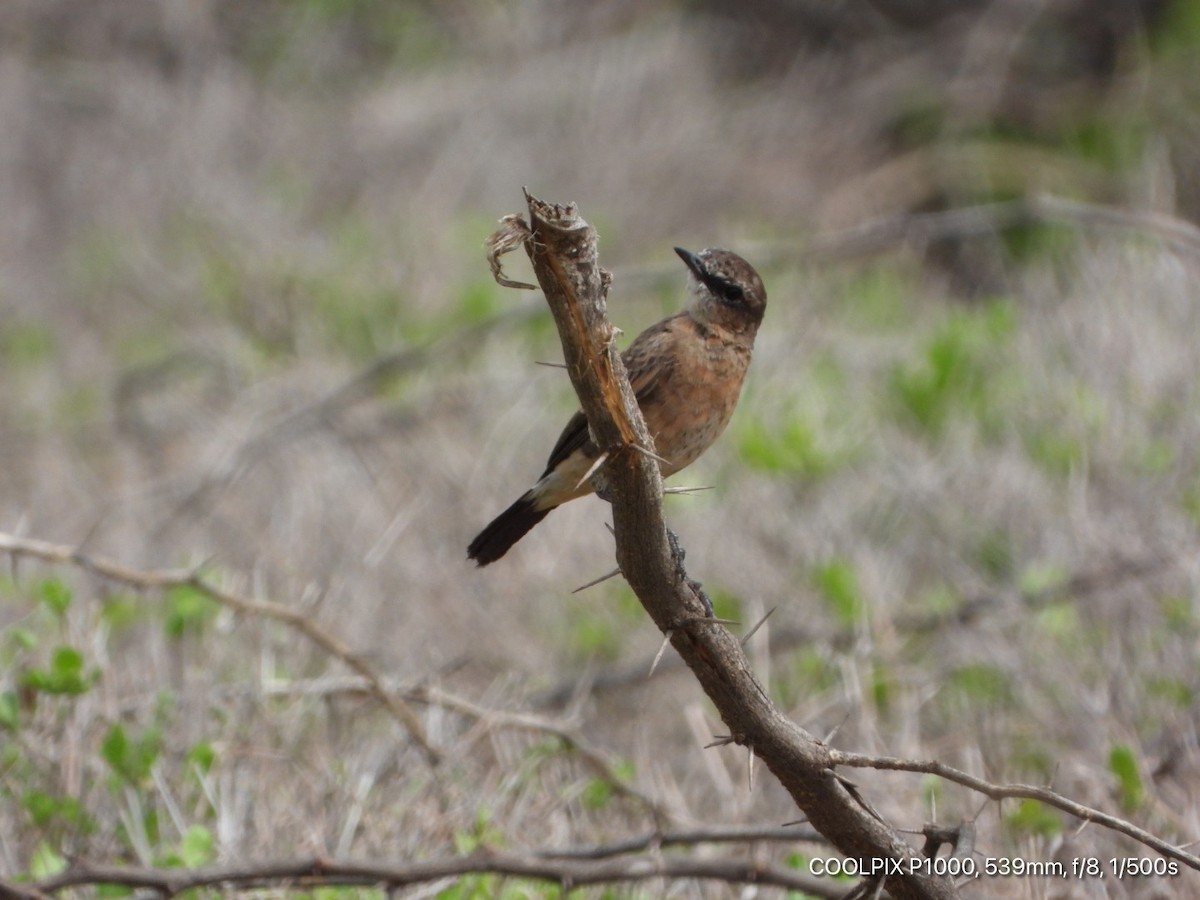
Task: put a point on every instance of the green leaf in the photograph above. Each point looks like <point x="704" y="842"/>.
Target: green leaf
<point x="981" y="684"/>
<point x="65" y="675"/>
<point x="131" y="759"/>
<point x="1123" y="765"/>
<point x="46" y="811"/>
<point x="1042" y="579"/>
<point x="1031" y="816"/>
<point x="954" y="375"/>
<point x="113" y="890"/>
<point x="10" y="711"/>
<point x="46" y="862"/>
<point x="189" y="610"/>
<point x="597" y="793"/>
<point x="22" y="638"/>
<point x="26" y="344"/>
<point x="197" y="847"/>
<point x="202" y="756"/>
<point x="120" y="611"/>
<point x="55" y="594"/>
<point x="837" y="583"/>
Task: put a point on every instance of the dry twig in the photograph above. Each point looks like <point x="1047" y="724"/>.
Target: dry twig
<point x="1021" y="791"/>
<point x="317" y="872"/>
<point x="163" y="579"/>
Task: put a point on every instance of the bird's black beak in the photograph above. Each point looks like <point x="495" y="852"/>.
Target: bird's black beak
<point x="692" y="261"/>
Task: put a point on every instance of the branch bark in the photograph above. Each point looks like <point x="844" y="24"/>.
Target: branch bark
<point x="564" y="251"/>
<point x="316" y="872"/>
<point x="1019" y="791"/>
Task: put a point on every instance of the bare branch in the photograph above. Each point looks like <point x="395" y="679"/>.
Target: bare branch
<point x="1022" y="791"/>
<point x="163" y="579"/>
<point x="599" y="763"/>
<point x="10" y="890"/>
<point x="725" y="834"/>
<point x="316" y="872"/>
<point x="991" y="218"/>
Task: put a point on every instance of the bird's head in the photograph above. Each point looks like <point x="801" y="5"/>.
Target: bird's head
<point x="727" y="291"/>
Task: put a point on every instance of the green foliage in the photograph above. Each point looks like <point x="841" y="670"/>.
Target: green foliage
<point x="794" y="446"/>
<point x="478" y="301"/>
<point x="1030" y="753"/>
<point x="596" y="629"/>
<point x="24" y="344"/>
<point x="803" y="432"/>
<point x="46" y="862"/>
<point x="1154" y="457"/>
<point x="55" y="594"/>
<point x="1034" y="817"/>
<point x="1179" y="615"/>
<point x="956" y="372"/>
<point x="594" y="634"/>
<point x="1029" y="242"/>
<point x="995" y="555"/>
<point x="482" y="834"/>
<point x="1067" y="422"/>
<point x="189" y="610"/>
<point x="1123" y="764"/>
<point x="131" y="758"/>
<point x="1114" y="143"/>
<point x="932" y="792"/>
<point x="121" y="611"/>
<point x="57" y="815"/>
<point x="938" y="600"/>
<point x="726" y="605"/>
<point x="596" y="793"/>
<point x="202" y="756"/>
<point x="1042" y="580"/>
<point x="494" y="887"/>
<point x="980" y="685"/>
<point x="1059" y="621"/>
<point x="1178" y="32"/>
<point x="837" y="583"/>
<point x="64" y="676"/>
<point x="10" y="711"/>
<point x="197" y="848"/>
<point x="879" y="298"/>
<point x="883" y="687"/>
<point x="1189" y="500"/>
<point x="809" y="671"/>
<point x="22" y="638"/>
<point x="1175" y="691"/>
<point x="344" y="893"/>
<point x="1056" y="452"/>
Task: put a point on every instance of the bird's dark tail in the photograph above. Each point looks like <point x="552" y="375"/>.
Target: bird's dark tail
<point x="505" y="530"/>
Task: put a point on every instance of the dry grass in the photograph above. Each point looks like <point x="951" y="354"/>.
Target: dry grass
<point x="204" y="233"/>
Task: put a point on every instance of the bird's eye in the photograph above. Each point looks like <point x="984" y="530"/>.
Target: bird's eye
<point x="733" y="292"/>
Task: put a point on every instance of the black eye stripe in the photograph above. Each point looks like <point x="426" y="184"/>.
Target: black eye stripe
<point x="729" y="290"/>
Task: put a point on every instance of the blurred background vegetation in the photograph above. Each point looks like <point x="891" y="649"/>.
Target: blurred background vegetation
<point x="245" y="322"/>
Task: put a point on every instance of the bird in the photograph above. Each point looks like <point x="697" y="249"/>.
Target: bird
<point x="686" y="372"/>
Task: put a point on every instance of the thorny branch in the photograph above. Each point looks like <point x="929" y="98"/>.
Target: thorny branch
<point x="396" y="697"/>
<point x="1018" y="791"/>
<point x="563" y="250"/>
<point x="318" y="872"/>
<point x="163" y="579"/>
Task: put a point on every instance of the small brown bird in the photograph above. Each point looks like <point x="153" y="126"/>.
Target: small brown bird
<point x="686" y="372"/>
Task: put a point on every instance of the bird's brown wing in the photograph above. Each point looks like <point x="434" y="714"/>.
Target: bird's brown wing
<point x="648" y="363"/>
